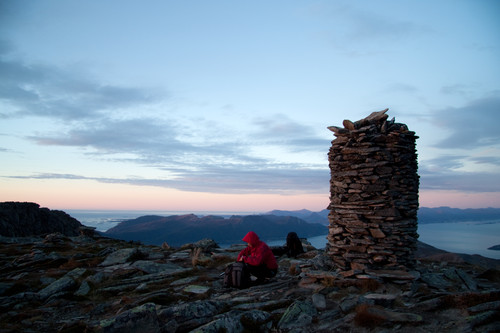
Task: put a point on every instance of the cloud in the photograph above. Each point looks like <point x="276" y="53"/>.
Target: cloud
<point x="280" y="130"/>
<point x="359" y="31"/>
<point x="461" y="181"/>
<point x="473" y="134"/>
<point x="444" y="163"/>
<point x="448" y="173"/>
<point x="471" y="126"/>
<point x="48" y="91"/>
<point x="108" y="136"/>
<point x="150" y="139"/>
<point x="401" y="87"/>
<point x="224" y="165"/>
<point x="368" y="26"/>
<point x="221" y="164"/>
<point x="200" y="153"/>
<point x="494" y="160"/>
<point x="456" y="89"/>
<point x="6" y="46"/>
<point x="283" y="179"/>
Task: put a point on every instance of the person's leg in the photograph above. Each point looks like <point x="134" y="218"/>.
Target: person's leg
<point x="261" y="272"/>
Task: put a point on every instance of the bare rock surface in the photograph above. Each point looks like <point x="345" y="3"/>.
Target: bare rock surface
<point x="58" y="283"/>
<point x="22" y="219"/>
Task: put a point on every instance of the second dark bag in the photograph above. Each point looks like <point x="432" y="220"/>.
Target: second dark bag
<point x="236" y="275"/>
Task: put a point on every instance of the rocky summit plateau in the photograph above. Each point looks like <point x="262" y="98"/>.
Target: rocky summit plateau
<point x="89" y="283"/>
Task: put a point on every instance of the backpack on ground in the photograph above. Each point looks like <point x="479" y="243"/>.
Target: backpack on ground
<point x="236" y="275"/>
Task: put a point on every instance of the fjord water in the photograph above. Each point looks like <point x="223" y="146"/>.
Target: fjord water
<point x="463" y="237"/>
<point x="460" y="237"/>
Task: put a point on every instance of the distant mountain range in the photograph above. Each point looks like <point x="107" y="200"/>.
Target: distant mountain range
<point x="447" y="215"/>
<point x="177" y="230"/>
<point x="425" y="215"/>
<point x="320" y="217"/>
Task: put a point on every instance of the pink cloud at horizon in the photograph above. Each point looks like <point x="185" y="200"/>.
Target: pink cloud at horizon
<point x="78" y="194"/>
<point x="457" y="199"/>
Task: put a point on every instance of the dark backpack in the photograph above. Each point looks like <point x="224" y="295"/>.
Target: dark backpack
<point x="236" y="275"/>
<point x="293" y="245"/>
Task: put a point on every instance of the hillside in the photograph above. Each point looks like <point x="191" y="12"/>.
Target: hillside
<point x="447" y="214"/>
<point x="304" y="214"/>
<point x="180" y="229"/>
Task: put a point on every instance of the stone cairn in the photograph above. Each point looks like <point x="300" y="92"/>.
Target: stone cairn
<point x="374" y="195"/>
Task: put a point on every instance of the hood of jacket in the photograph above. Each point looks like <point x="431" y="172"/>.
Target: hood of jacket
<point x="251" y="238"/>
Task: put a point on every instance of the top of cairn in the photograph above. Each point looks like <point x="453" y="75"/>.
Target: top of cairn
<point x="375" y="118"/>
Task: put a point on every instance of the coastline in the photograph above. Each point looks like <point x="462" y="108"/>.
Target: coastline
<point x="459" y="237"/>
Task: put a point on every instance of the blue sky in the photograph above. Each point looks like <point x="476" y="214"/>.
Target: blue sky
<point x="224" y="105"/>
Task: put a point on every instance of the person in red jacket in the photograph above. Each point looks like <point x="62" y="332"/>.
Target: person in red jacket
<point x="259" y="258"/>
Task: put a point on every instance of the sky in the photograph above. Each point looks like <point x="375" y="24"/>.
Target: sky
<point x="224" y="105"/>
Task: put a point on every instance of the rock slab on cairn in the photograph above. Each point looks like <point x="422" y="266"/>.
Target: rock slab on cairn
<point x="374" y="195"/>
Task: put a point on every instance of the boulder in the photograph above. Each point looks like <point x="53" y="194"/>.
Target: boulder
<point x="141" y="319"/>
<point x="64" y="284"/>
<point x="24" y="219"/>
<point x="299" y="314"/>
<point x="120" y="256"/>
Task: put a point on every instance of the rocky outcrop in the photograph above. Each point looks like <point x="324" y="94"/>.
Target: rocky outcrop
<point x="22" y="219"/>
<point x="374" y="195"/>
<point x="82" y="284"/>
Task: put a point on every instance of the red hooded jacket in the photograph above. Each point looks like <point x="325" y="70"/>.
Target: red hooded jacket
<point x="258" y="253"/>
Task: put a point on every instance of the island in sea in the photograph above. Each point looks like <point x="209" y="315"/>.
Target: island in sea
<point x="176" y="230"/>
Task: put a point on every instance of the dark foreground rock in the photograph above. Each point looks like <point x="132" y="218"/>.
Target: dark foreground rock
<point x="81" y="284"/>
<point x="22" y="219"/>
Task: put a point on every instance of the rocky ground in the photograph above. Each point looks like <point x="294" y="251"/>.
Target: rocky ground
<point x="86" y="284"/>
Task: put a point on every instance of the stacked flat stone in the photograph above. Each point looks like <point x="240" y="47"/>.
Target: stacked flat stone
<point x="374" y="195"/>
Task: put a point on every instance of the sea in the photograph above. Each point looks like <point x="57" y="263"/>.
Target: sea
<point x="470" y="237"/>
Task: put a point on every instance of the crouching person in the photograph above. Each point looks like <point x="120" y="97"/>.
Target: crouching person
<point x="258" y="257"/>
